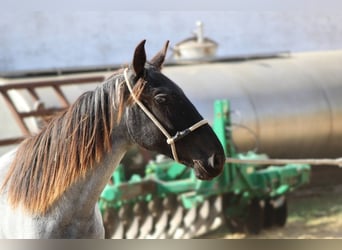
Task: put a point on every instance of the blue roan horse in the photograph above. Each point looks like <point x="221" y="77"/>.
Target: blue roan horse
<point x="51" y="183"/>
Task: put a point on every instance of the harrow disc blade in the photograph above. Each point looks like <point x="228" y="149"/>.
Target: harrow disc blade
<point x="207" y="219"/>
<point x="204" y="210"/>
<point x="119" y="231"/>
<point x="160" y="226"/>
<point x="133" y="229"/>
<point x="113" y="225"/>
<point x="216" y="208"/>
<point x="190" y="216"/>
<point x="140" y="212"/>
<point x="175" y="221"/>
<point x="146" y="227"/>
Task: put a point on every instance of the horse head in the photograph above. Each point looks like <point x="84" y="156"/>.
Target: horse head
<point x="166" y="121"/>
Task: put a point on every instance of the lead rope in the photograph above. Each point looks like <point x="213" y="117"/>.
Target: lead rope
<point x="169" y="139"/>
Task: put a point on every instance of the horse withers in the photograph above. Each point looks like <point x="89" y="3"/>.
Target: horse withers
<point x="51" y="183"/>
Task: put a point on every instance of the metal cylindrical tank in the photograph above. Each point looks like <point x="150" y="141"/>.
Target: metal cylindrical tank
<point x="289" y="106"/>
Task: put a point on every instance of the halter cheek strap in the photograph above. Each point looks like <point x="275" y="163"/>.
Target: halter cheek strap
<point x="171" y="140"/>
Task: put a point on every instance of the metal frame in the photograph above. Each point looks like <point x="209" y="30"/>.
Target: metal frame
<point x="31" y="87"/>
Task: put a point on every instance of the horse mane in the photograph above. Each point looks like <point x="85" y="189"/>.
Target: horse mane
<point x="47" y="164"/>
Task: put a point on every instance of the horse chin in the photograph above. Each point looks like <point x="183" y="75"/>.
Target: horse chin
<point x="201" y="171"/>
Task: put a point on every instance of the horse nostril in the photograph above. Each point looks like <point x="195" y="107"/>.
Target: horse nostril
<point x="216" y="160"/>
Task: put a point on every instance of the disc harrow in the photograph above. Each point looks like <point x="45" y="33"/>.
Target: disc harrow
<point x="163" y="219"/>
<point x="169" y="202"/>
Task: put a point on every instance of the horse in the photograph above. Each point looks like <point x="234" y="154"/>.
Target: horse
<point x="51" y="182"/>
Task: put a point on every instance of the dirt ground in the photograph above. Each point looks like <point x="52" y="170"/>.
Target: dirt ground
<point x="314" y="212"/>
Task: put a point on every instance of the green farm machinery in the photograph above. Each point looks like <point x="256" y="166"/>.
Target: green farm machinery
<point x="168" y="201"/>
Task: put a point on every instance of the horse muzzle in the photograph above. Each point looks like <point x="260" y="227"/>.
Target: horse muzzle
<point x="210" y="168"/>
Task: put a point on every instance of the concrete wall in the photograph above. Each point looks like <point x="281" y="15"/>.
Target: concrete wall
<point x="44" y="40"/>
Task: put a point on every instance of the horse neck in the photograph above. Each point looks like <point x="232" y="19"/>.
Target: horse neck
<point x="85" y="193"/>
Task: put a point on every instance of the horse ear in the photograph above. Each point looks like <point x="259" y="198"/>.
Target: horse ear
<point x="159" y="59"/>
<point x="139" y="59"/>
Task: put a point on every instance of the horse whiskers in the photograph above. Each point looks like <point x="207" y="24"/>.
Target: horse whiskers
<point x="199" y="165"/>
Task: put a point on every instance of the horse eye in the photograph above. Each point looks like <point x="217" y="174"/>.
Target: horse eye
<point x="160" y="98"/>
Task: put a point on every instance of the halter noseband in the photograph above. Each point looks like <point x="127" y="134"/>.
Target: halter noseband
<point x="171" y="140"/>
